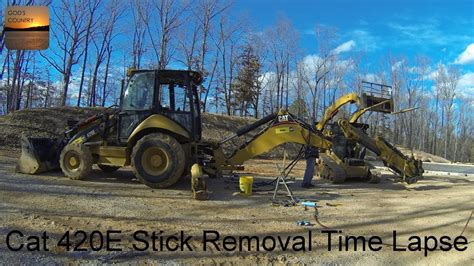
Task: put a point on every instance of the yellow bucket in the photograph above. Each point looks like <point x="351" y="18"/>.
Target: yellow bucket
<point x="246" y="183"/>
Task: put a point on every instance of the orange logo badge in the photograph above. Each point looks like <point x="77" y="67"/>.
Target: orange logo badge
<point x="26" y="27"/>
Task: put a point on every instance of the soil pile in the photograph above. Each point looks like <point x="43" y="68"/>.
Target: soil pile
<point x="51" y="122"/>
<point x="39" y="122"/>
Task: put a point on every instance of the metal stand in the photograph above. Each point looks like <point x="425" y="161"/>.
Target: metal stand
<point x="282" y="180"/>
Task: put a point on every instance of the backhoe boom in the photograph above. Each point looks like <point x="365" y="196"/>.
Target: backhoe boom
<point x="282" y="128"/>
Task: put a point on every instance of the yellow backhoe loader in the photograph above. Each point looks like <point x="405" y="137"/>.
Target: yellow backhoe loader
<point x="157" y="131"/>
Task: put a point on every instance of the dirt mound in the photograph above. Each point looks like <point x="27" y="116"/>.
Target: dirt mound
<point x="40" y="122"/>
<point x="51" y="122"/>
<point x="217" y="127"/>
<point x="423" y="156"/>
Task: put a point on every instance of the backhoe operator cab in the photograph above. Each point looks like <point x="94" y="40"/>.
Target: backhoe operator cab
<point x="169" y="93"/>
<point x="159" y="123"/>
<point x="155" y="130"/>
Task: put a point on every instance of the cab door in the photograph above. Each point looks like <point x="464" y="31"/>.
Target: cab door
<point x="175" y="103"/>
<point x="137" y="103"/>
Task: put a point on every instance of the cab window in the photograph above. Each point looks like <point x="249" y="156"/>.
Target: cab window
<point x="165" y="101"/>
<point x="181" y="99"/>
<point x="139" y="92"/>
<point x="174" y="97"/>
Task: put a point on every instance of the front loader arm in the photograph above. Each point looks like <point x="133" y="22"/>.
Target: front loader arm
<point x="407" y="167"/>
<point x="333" y="109"/>
<point x="365" y="102"/>
<point x="357" y="114"/>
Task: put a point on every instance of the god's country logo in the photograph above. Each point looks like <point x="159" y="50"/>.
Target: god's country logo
<point x="26" y="27"/>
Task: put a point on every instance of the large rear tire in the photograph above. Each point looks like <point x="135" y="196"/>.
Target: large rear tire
<point x="158" y="160"/>
<point x="76" y="161"/>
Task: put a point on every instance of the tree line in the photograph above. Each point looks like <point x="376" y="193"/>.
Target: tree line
<point x="248" y="72"/>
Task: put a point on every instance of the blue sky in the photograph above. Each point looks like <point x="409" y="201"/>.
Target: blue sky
<point x="442" y="30"/>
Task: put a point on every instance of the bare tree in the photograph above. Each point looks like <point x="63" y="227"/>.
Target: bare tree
<point x="211" y="9"/>
<point x="162" y="28"/>
<point x="408" y="98"/>
<point x="229" y="35"/>
<point x="317" y="69"/>
<point x="140" y="13"/>
<point x="14" y="94"/>
<point x="440" y="83"/>
<point x="464" y="140"/>
<point x="211" y="78"/>
<point x="187" y="43"/>
<point x="92" y="22"/>
<point x="69" y="33"/>
<point x="448" y="94"/>
<point x="206" y="12"/>
<point x="193" y="42"/>
<point x="422" y="69"/>
<point x="282" y="40"/>
<point x="102" y="44"/>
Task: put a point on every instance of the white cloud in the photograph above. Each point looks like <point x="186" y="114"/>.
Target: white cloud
<point x="466" y="57"/>
<point x="432" y="73"/>
<point x="365" y="40"/>
<point x="345" y="47"/>
<point x="311" y="63"/>
<point x="429" y="31"/>
<point x="466" y="84"/>
<point x="397" y="65"/>
<point x="267" y="77"/>
<point x="370" y="77"/>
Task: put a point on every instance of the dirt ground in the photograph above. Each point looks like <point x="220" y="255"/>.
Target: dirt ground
<point x="438" y="205"/>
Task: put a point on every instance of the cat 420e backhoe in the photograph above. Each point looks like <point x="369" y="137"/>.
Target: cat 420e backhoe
<point x="157" y="131"/>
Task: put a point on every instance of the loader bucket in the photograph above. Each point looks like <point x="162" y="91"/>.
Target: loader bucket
<point x="39" y="155"/>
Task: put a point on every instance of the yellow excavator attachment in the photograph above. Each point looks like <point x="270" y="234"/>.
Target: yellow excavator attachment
<point x="279" y="129"/>
<point x="407" y="167"/>
<point x="357" y="114"/>
<point x="333" y="109"/>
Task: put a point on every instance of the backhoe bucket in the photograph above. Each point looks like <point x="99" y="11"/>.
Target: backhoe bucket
<point x="39" y="155"/>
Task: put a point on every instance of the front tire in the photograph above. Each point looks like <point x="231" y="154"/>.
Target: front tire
<point x="76" y="161"/>
<point x="158" y="160"/>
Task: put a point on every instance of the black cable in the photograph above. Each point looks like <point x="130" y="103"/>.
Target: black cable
<point x="291" y="165"/>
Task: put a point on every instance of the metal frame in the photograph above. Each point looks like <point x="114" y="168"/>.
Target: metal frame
<point x="282" y="179"/>
<point x="376" y="89"/>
